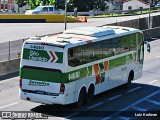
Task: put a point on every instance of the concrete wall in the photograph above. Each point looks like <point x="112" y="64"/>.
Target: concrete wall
<point x="151" y="33"/>
<point x="8" y="67"/>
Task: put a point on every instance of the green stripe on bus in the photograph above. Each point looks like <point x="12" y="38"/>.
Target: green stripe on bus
<point x="57" y="77"/>
<point x="41" y="55"/>
<point x="117" y="62"/>
<point x="101" y="65"/>
<point x="41" y="75"/>
<point x="89" y="70"/>
<point x="102" y="77"/>
<point x="36" y="55"/>
<point x="75" y="75"/>
<point x="60" y="57"/>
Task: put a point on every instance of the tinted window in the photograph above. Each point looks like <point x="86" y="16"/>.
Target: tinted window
<point x="45" y="9"/>
<point x="102" y="49"/>
<point x="128" y="43"/>
<point x="75" y="56"/>
<point x="50" y="8"/>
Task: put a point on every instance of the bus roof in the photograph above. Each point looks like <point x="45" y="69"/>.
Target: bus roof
<point x="83" y="35"/>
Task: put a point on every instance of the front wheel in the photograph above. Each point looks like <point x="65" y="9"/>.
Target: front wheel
<point x="130" y="78"/>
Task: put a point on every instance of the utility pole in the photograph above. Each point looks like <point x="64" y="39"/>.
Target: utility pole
<point x="149" y="18"/>
<point x="65" y="15"/>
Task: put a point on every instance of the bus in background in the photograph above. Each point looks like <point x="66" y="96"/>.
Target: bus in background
<point x="82" y="62"/>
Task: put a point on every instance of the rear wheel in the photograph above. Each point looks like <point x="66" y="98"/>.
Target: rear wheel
<point x="90" y="94"/>
<point x="80" y="98"/>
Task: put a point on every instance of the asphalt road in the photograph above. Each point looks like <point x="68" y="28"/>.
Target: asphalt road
<point x="16" y="31"/>
<point x="143" y="96"/>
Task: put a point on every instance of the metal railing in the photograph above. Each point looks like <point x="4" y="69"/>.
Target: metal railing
<point x="12" y="49"/>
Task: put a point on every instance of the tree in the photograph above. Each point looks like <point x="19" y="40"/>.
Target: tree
<point x="86" y="5"/>
<point x="100" y="4"/>
<point x="52" y="2"/>
<point x="60" y="4"/>
<point x="20" y="3"/>
<point x="32" y="3"/>
<point x="44" y="2"/>
<point x="153" y="3"/>
<point x="83" y="5"/>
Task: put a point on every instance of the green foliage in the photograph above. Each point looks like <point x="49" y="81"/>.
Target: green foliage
<point x="82" y="5"/>
<point x="52" y="2"/>
<point x="34" y="3"/>
<point x="20" y="3"/>
<point x="44" y="2"/>
<point x="154" y="2"/>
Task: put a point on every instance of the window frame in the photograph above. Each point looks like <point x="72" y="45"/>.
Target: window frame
<point x="117" y="52"/>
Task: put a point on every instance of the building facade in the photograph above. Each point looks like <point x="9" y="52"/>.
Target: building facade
<point x="6" y="5"/>
<point x="134" y="4"/>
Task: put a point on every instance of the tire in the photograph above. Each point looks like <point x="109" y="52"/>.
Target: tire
<point x="90" y="94"/>
<point x="80" y="98"/>
<point x="130" y="78"/>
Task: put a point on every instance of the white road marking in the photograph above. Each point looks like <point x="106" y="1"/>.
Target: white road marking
<point x="114" y="97"/>
<point x="139" y="108"/>
<point x="134" y="89"/>
<point x="131" y="105"/>
<point x="124" y="118"/>
<point x="107" y="118"/>
<point x="98" y="104"/>
<point x="141" y="100"/>
<point x="9" y="105"/>
<point x="73" y="114"/>
<point x="153" y="81"/>
<point x="3" y="81"/>
<point x="157" y="57"/>
<point x="153" y="101"/>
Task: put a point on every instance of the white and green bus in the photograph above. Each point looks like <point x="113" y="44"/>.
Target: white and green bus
<point x="82" y="62"/>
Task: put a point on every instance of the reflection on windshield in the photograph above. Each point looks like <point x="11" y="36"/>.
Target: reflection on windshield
<point x="38" y="8"/>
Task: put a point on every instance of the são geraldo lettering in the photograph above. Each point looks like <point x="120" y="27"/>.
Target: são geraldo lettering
<point x="33" y="55"/>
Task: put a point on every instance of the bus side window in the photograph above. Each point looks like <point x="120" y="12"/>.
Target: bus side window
<point x="111" y="47"/>
<point x="97" y="53"/>
<point x="71" y="52"/>
<point x="75" y="56"/>
<point x="124" y="44"/>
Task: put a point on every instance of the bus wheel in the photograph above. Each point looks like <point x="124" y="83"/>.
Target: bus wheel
<point x="90" y="94"/>
<point x="130" y="78"/>
<point x="81" y="98"/>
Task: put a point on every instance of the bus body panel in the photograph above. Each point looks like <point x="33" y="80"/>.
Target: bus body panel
<point x="45" y="68"/>
<point x="39" y="64"/>
<point x="45" y="99"/>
